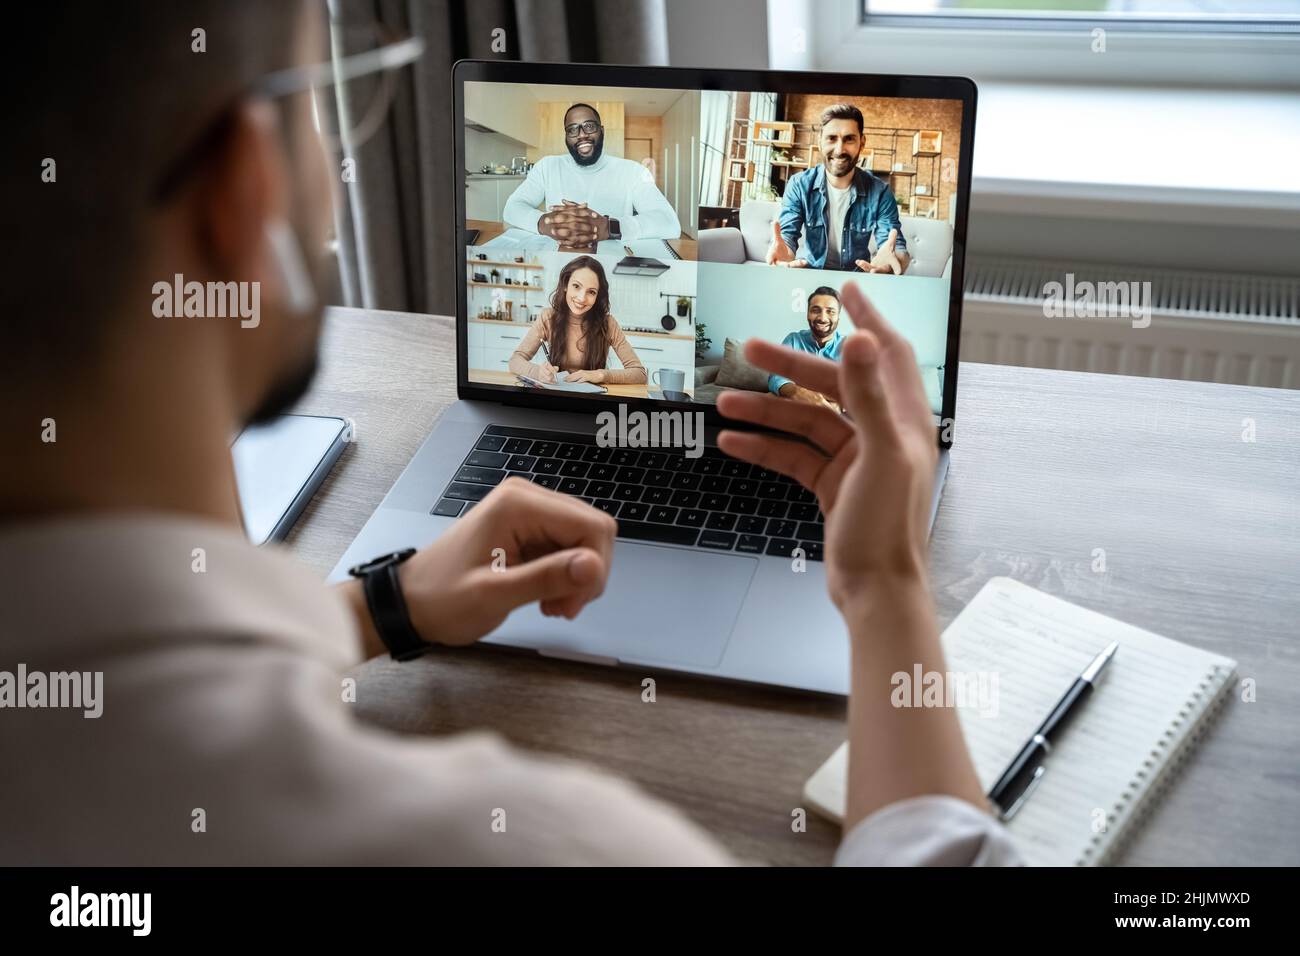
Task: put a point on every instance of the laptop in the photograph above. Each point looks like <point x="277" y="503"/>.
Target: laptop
<point x="717" y="567"/>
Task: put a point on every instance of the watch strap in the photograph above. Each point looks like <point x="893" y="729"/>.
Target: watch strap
<point x="388" y="611"/>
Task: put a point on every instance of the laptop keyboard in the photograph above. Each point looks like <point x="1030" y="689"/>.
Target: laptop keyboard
<point x="713" y="502"/>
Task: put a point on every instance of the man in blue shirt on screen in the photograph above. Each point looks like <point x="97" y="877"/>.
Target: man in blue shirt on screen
<point x="822" y="337"/>
<point x="839" y="207"/>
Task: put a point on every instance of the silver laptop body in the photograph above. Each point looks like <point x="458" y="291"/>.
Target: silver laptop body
<point x="719" y="614"/>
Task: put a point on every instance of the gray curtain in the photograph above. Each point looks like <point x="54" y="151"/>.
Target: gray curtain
<point x="395" y="224"/>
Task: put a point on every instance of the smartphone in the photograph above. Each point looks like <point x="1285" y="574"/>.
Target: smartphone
<point x="279" y="466"/>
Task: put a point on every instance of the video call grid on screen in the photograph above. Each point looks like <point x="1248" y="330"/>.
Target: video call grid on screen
<point x="647" y="217"/>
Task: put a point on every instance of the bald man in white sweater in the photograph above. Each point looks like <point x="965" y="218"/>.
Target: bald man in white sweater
<point x="587" y="197"/>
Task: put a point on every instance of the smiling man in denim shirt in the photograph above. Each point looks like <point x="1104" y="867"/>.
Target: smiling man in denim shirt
<point x="839" y="207"/>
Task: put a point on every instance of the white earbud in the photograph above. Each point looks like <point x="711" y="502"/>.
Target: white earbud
<point x="287" y="251"/>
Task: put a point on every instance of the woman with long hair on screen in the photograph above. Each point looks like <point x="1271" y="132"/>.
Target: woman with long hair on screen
<point x="577" y="332"/>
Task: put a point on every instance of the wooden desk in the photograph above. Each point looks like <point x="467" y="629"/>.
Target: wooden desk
<point x="487" y="229"/>
<point x="1201" y="533"/>
<point x="486" y="377"/>
<point x="684" y="246"/>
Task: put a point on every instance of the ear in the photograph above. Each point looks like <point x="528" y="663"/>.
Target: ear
<point x="246" y="187"/>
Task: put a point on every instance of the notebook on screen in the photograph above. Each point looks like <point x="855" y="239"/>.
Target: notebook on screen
<point x="1111" y="764"/>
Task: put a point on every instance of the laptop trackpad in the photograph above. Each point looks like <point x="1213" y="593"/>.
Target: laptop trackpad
<point x="662" y="607"/>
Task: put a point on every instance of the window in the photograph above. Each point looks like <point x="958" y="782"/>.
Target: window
<point x="1204" y="43"/>
<point x="1216" y="15"/>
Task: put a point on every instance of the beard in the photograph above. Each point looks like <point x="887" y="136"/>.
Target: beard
<point x="286" y="390"/>
<point x="821" y="332"/>
<point x="292" y="382"/>
<point x="597" y="147"/>
<point x="833" y="164"/>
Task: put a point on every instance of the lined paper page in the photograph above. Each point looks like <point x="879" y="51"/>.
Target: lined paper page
<point x="1148" y="700"/>
<point x="1037" y="645"/>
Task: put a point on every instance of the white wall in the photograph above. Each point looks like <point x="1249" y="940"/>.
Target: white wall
<point x="514" y="116"/>
<point x="494" y="148"/>
<point x="634" y="300"/>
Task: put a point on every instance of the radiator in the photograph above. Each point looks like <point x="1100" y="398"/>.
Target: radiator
<point x="1211" y="327"/>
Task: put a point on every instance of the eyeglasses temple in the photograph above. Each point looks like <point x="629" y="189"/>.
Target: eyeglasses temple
<point x="298" y="78"/>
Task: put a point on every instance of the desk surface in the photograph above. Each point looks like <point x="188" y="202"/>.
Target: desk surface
<point x="1201" y="538"/>
<point x="487" y="377"/>
<point x="685" y="247"/>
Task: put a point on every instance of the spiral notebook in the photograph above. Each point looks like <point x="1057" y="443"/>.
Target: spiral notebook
<point x="1152" y="704"/>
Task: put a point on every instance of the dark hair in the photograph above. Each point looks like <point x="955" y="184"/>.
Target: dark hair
<point x="584" y="105"/>
<point x="823" y="290"/>
<point x="595" y="322"/>
<point x="843" y="111"/>
<point x="122" y="95"/>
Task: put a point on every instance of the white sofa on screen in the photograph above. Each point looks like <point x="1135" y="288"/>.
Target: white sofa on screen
<point x="929" y="241"/>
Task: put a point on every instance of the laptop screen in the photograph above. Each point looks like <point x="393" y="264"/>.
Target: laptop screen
<point x="623" y="242"/>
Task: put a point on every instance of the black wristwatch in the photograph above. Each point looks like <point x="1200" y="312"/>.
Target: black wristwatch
<point x="387" y="606"/>
<point x="615" y="230"/>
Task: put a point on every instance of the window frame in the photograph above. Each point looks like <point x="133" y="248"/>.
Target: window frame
<point x="1069" y="20"/>
<point x="832" y="36"/>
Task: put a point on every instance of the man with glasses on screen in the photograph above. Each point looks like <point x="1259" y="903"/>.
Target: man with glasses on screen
<point x="588" y="196"/>
<point x="224" y="732"/>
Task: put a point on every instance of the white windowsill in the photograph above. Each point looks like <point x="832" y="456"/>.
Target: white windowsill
<point x="1227" y="157"/>
<point x="1065" y="131"/>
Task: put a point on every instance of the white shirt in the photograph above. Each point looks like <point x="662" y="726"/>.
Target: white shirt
<point x="612" y="186"/>
<point x="837" y="209"/>
<point x="224" y="736"/>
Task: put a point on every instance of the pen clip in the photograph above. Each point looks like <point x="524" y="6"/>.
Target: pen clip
<point x="1012" y="810"/>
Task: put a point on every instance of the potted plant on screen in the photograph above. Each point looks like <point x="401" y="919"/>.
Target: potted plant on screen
<point x="702" y="342"/>
<point x="683" y="307"/>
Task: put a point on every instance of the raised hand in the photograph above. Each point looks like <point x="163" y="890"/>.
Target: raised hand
<point x="873" y="472"/>
<point x="779" y="252"/>
<point x="886" y="259"/>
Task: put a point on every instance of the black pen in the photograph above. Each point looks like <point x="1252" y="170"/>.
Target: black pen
<point x="1026" y="771"/>
<point x="546" y="353"/>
